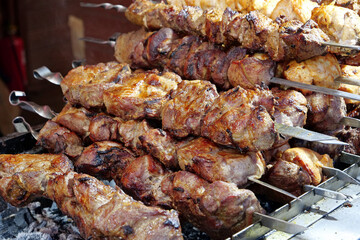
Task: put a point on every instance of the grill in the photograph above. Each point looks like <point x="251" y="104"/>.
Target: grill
<point x="326" y="218"/>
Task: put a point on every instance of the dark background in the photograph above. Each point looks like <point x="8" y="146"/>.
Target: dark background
<point x="43" y="26"/>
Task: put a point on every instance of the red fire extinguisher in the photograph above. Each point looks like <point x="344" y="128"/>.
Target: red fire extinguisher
<point x="13" y="62"/>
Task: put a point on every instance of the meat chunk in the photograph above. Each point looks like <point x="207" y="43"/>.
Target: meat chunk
<point x="58" y="139"/>
<point x="325" y="112"/>
<point x="220" y="209"/>
<point x="103" y="127"/>
<point x="104" y="159"/>
<point x="188" y="104"/>
<point x="141" y="95"/>
<point x="352" y="72"/>
<point x="85" y="85"/>
<point x="214" y="163"/>
<point x="240" y="118"/>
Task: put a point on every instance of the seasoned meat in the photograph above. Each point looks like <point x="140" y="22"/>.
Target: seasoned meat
<point x="321" y="71"/>
<point x="214" y="163"/>
<point x="24" y="177"/>
<point x="290" y="109"/>
<point x="294" y="9"/>
<point x="220" y="209"/>
<point x="142" y="179"/>
<point x="325" y="112"/>
<point x="103" y="127"/>
<point x="130" y="131"/>
<point x="288" y="176"/>
<point x="251" y="71"/>
<point x="352" y="72"/>
<point x="240" y="118"/>
<point x="99" y="211"/>
<point x="75" y="119"/>
<point x="58" y="139"/>
<point x="188" y="104"/>
<point x="104" y="159"/>
<point x="253" y="30"/>
<point x="342" y="25"/>
<point x="141" y="95"/>
<point x="159" y="144"/>
<point x="85" y="84"/>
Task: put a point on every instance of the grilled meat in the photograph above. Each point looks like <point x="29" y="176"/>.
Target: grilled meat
<point x="296" y="167"/>
<point x="99" y="211"/>
<point x="104" y="159"/>
<point x="219" y="209"/>
<point x="320" y="70"/>
<point x="351" y="4"/>
<point x="325" y="112"/>
<point x="60" y="140"/>
<point x="85" y="84"/>
<point x="252" y="31"/>
<point x="188" y="104"/>
<point x="241" y="118"/>
<point x="102" y="127"/>
<point x="141" y="95"/>
<point x="354" y="73"/>
<point x="214" y="163"/>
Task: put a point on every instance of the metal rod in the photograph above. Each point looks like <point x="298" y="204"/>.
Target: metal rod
<point x="351" y="122"/>
<point x="43" y="73"/>
<point x="22" y="126"/>
<point x="326" y="192"/>
<point x="355" y="47"/>
<point x="351" y="81"/>
<point x="340" y="175"/>
<point x="118" y="8"/>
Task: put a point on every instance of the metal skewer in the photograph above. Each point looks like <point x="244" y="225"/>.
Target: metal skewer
<point x="351" y="81"/>
<point x="43" y="111"/>
<point x="332" y="44"/>
<point x="43" y="73"/>
<point x="326" y="192"/>
<point x="22" y="126"/>
<point x="329" y="171"/>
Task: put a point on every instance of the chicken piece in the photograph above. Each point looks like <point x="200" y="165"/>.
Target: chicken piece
<point x="142" y="180"/>
<point x="129" y="133"/>
<point x="103" y="127"/>
<point x="222" y="5"/>
<point x="220" y="209"/>
<point x="350" y="4"/>
<point x="188" y="104"/>
<point x="24" y="177"/>
<point x="214" y="163"/>
<point x="104" y="159"/>
<point x="241" y="118"/>
<point x="294" y="9"/>
<point x="99" y="211"/>
<point x="85" y="84"/>
<point x="342" y="25"/>
<point x="141" y="95"/>
<point x="309" y="160"/>
<point x="325" y="112"/>
<point x="266" y="7"/>
<point x="354" y="73"/>
<point x="252" y="71"/>
<point x="75" y="119"/>
<point x="321" y="71"/>
<point x="290" y="109"/>
<point x="58" y="139"/>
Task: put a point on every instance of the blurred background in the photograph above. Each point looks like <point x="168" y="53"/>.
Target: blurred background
<point x="35" y="33"/>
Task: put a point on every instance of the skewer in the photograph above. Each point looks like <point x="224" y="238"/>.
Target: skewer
<point x="44" y="111"/>
<point x="326" y="192"/>
<point x="340" y="175"/>
<point x="121" y="8"/>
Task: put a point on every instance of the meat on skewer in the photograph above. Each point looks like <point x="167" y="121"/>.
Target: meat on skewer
<point x="99" y="211"/>
<point x="283" y="39"/>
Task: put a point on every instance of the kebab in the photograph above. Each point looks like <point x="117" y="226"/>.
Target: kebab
<point x="99" y="211"/>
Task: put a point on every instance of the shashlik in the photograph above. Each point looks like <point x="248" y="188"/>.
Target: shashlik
<point x="252" y="107"/>
<point x="280" y="39"/>
<point x="99" y="211"/>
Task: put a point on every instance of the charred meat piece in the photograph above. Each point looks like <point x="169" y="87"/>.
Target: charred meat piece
<point x="141" y="95"/>
<point x="58" y="139"/>
<point x="104" y="159"/>
<point x="24" y="177"/>
<point x="75" y="119"/>
<point x="99" y="211"/>
<point x="325" y="112"/>
<point x="103" y="127"/>
<point x="214" y="163"/>
<point x="253" y="30"/>
<point x="142" y="180"/>
<point x="85" y="85"/>
<point x="188" y="104"/>
<point x="240" y="118"/>
<point x="220" y="209"/>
